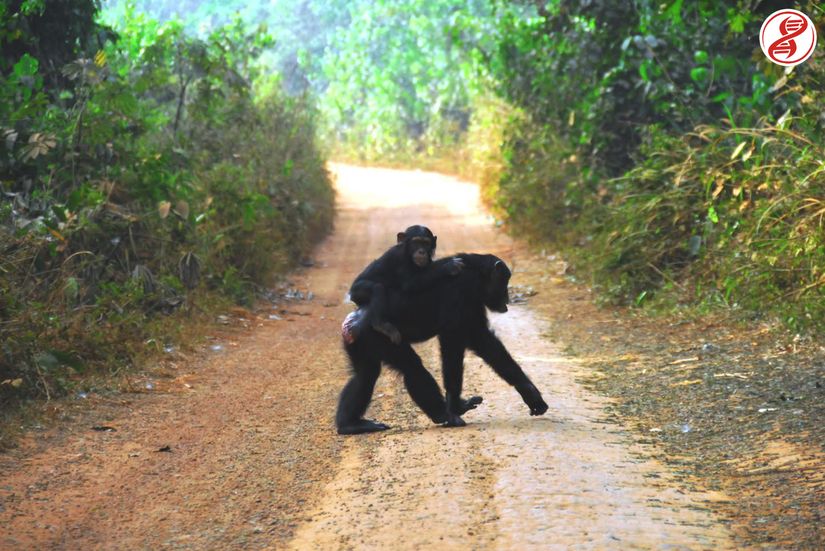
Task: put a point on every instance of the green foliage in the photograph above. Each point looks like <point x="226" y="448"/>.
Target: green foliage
<point x="395" y="79"/>
<point x="541" y="195"/>
<point x="661" y="150"/>
<point x="303" y="29"/>
<point x="144" y="169"/>
<point x="738" y="211"/>
<point x="408" y="84"/>
<point x="599" y="72"/>
<point x="136" y="178"/>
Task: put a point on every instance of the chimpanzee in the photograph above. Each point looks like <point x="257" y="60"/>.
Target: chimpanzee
<point x="453" y="309"/>
<point x="406" y="267"/>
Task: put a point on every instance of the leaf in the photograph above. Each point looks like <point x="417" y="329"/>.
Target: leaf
<point x="722" y="96"/>
<point x="780" y="123"/>
<point x="626" y="43"/>
<point x="675" y="12"/>
<point x="100" y="58"/>
<point x="26" y="67"/>
<point x="57" y="234"/>
<point x="182" y="208"/>
<point x="643" y="71"/>
<point x="737" y="22"/>
<point x="738" y="150"/>
<point x="699" y="74"/>
<point x="60" y="212"/>
<point x="712" y="216"/>
<point x="163" y="209"/>
<point x="39" y="144"/>
<point x="779" y="83"/>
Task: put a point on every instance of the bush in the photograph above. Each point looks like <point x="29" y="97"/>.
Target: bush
<point x="156" y="171"/>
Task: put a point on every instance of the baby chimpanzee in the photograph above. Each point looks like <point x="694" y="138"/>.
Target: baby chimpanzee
<point x="405" y="267"/>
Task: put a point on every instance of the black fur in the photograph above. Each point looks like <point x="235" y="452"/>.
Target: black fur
<point x="454" y="310"/>
<point x="405" y="268"/>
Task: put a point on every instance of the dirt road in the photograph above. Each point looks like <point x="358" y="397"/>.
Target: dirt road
<point x="252" y="460"/>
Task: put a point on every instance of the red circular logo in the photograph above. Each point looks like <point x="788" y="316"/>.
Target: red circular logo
<point x="788" y="37"/>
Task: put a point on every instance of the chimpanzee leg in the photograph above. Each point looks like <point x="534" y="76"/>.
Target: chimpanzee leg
<point x="357" y="393"/>
<point x="420" y="384"/>
<point x="452" y="368"/>
<point x="490" y="349"/>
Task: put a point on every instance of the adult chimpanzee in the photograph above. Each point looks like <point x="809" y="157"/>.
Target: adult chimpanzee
<point x="406" y="268"/>
<point x="453" y="309"/>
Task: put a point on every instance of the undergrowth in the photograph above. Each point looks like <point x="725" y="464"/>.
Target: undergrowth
<point x="681" y="176"/>
<point x="150" y="179"/>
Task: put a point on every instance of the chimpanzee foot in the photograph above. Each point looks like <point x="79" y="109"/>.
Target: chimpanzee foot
<point x="361" y="426"/>
<point x="454" y="420"/>
<point x="389" y="330"/>
<point x="463" y="406"/>
<point x="539" y="408"/>
<point x="532" y="397"/>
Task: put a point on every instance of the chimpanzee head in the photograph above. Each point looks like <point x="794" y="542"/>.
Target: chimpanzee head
<point x="419" y="245"/>
<point x="496" y="297"/>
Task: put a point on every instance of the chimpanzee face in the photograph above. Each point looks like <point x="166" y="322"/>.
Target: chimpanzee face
<point x="420" y="250"/>
<point x="496" y="297"/>
<point x="419" y="244"/>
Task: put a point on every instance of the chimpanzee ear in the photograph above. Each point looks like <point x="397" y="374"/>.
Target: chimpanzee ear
<point x="500" y="268"/>
<point x="401" y="237"/>
<point x="434" y="239"/>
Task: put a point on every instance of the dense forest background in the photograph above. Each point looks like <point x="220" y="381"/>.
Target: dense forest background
<point x="155" y="152"/>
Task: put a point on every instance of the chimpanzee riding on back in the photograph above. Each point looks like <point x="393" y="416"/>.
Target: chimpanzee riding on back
<point x="406" y="267"/>
<point x="454" y="309"/>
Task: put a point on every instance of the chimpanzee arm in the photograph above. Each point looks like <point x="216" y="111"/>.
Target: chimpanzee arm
<point x="377" y="314"/>
<point x="370" y="290"/>
<point x="361" y="291"/>
<point x="423" y="280"/>
<point x="377" y="272"/>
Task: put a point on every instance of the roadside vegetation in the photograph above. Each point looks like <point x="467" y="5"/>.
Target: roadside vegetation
<point x="148" y="176"/>
<point x="674" y="163"/>
<point x="156" y="150"/>
<point x="652" y="142"/>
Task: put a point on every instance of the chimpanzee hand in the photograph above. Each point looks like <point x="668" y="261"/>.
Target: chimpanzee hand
<point x="389" y="330"/>
<point x="532" y="397"/>
<point x="455" y="266"/>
